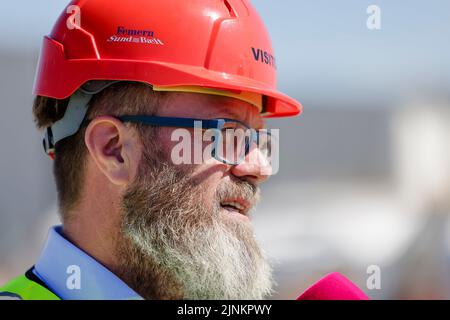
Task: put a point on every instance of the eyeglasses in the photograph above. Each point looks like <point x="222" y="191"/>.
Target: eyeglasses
<point x="232" y="140"/>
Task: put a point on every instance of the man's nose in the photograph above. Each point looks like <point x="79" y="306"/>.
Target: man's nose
<point x="255" y="168"/>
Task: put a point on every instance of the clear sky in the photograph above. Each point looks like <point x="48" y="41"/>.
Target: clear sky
<point x="322" y="46"/>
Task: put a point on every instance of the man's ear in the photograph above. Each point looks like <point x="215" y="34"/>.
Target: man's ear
<point x="114" y="149"/>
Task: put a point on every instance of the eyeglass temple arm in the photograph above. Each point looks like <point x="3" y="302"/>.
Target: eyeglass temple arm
<point x="173" y="122"/>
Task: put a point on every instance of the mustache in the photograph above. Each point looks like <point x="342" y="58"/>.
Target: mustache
<point x="235" y="189"/>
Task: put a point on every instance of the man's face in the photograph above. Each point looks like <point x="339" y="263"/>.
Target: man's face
<point x="185" y="229"/>
<point x="211" y="174"/>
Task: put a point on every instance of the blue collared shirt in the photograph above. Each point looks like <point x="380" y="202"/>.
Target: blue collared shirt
<point x="74" y="275"/>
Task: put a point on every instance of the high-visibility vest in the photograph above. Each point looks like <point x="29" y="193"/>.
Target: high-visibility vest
<point x="27" y="287"/>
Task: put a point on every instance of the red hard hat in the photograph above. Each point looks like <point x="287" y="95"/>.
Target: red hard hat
<point x="213" y="44"/>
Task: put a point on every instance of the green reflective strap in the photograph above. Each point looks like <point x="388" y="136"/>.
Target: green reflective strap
<point x="27" y="290"/>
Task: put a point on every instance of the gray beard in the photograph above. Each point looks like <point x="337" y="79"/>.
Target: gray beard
<point x="172" y="245"/>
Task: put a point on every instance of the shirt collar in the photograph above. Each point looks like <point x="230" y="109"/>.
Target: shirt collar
<point x="74" y="275"/>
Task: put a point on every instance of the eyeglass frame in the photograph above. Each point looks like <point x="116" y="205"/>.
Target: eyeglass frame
<point x="215" y="124"/>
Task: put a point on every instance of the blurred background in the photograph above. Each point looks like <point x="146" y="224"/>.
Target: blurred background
<point x="364" y="177"/>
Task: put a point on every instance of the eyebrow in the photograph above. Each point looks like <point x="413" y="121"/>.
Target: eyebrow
<point x="235" y="114"/>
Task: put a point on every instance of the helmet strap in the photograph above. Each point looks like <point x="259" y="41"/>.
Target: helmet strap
<point x="74" y="116"/>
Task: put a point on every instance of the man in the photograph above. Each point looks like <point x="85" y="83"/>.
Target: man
<point x="142" y="217"/>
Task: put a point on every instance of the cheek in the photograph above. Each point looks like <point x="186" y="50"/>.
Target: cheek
<point x="164" y="138"/>
<point x="207" y="178"/>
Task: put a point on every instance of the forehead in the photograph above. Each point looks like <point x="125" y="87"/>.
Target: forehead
<point x="206" y="106"/>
